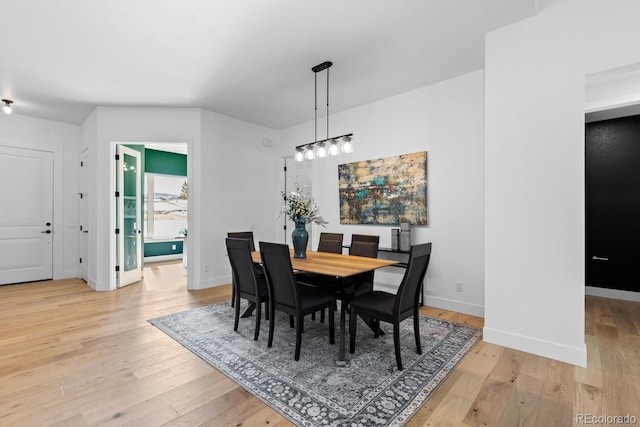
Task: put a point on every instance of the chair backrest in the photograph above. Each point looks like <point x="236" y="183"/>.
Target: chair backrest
<point x="283" y="286"/>
<point x="330" y="242"/>
<point x="243" y="235"/>
<point x="408" y="295"/>
<point x="365" y="238"/>
<point x="239" y="251"/>
<point x="362" y="248"/>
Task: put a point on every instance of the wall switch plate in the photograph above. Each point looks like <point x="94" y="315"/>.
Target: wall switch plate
<point x="458" y="286"/>
<point x="173" y="247"/>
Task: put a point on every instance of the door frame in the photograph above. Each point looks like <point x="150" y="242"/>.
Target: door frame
<point x="194" y="261"/>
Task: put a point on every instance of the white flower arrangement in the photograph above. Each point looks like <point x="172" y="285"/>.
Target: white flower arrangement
<point x="299" y="205"/>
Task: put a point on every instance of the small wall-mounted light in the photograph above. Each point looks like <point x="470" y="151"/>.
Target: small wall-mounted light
<point x="7" y="106"/>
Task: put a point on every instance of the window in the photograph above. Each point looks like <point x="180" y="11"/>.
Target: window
<point x="165" y="212"/>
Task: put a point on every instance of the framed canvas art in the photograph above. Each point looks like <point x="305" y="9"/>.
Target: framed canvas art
<point x="384" y="191"/>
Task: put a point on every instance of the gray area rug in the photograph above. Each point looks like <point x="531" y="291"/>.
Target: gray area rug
<point x="367" y="390"/>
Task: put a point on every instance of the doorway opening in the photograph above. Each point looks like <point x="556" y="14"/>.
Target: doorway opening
<point x="612" y="183"/>
<point x="151" y="206"/>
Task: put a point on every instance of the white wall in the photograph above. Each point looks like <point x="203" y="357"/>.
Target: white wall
<point x="446" y="120"/>
<point x="231" y="182"/>
<point x="239" y="181"/>
<point x="534" y="169"/>
<point x="116" y="125"/>
<point x="64" y="141"/>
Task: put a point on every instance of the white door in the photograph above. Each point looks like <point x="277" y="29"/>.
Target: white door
<point x="26" y="215"/>
<point x="129" y="202"/>
<point x="84" y="215"/>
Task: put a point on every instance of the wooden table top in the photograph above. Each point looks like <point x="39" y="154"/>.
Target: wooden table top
<point x="337" y="265"/>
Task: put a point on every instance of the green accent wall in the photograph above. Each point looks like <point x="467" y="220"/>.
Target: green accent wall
<point x="163" y="248"/>
<point x="165" y="163"/>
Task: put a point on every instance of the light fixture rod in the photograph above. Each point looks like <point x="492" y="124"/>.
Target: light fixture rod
<point x="322" y="140"/>
<point x="327" y="104"/>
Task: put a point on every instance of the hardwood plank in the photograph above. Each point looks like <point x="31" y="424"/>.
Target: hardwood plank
<point x="74" y="357"/>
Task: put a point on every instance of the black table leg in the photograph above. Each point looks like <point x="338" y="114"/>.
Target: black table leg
<point x="249" y="311"/>
<point x="343" y="321"/>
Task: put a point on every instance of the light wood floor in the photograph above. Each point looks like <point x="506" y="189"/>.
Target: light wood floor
<point x="74" y="357"/>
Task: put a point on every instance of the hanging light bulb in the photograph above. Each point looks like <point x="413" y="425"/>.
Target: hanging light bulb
<point x="309" y="154"/>
<point x="347" y="147"/>
<point x="322" y="152"/>
<point x="299" y="155"/>
<point x="7" y="106"/>
<point x="333" y="148"/>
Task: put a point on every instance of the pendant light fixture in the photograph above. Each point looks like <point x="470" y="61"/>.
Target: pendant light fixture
<point x="7" y="106"/>
<point x="328" y="146"/>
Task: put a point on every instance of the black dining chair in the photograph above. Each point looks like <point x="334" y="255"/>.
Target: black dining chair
<point x="330" y="242"/>
<point x="248" y="285"/>
<point x="288" y="296"/>
<point x="362" y="245"/>
<point x="390" y="308"/>
<point x="241" y="235"/>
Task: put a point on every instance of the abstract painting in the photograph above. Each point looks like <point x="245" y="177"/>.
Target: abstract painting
<point x="384" y="191"/>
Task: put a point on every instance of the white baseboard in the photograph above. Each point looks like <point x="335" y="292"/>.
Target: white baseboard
<point x="573" y="355"/>
<point x="162" y="258"/>
<point x="438" y="302"/>
<point x="612" y="293"/>
<point x="454" y="305"/>
<point x="212" y="283"/>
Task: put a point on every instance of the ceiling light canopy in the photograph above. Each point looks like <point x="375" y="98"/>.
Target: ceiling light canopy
<point x="328" y="146"/>
<point x="7" y="106"/>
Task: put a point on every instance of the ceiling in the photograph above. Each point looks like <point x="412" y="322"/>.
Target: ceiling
<point x="249" y="59"/>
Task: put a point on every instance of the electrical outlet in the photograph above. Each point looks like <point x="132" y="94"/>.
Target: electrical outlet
<point x="206" y="268"/>
<point x="458" y="286"/>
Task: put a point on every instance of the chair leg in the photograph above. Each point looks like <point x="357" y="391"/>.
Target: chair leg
<point x="352" y="329"/>
<point x="237" y="316"/>
<point x="271" y="321"/>
<point x="322" y="316"/>
<point x="299" y="319"/>
<point x="396" y="344"/>
<point x="233" y="292"/>
<point x="258" y="316"/>
<point x="416" y="331"/>
<point x="291" y="323"/>
<point x="313" y="316"/>
<point x="266" y="310"/>
<point x="376" y="327"/>
<point x="332" y="325"/>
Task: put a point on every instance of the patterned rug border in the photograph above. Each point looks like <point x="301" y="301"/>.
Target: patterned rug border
<point x="399" y="419"/>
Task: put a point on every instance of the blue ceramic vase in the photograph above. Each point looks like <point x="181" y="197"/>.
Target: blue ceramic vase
<point x="300" y="237"/>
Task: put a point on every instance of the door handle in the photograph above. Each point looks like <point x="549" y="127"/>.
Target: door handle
<point x="46" y="232"/>
<point x="598" y="258"/>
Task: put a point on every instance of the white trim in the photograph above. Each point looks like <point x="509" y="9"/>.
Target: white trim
<point x="213" y="282"/>
<point x="438" y="302"/>
<point x="454" y="305"/>
<point x="158" y="258"/>
<point x="564" y="353"/>
<point x="612" y="293"/>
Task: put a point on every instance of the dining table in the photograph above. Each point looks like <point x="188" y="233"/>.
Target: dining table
<point x="336" y="266"/>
